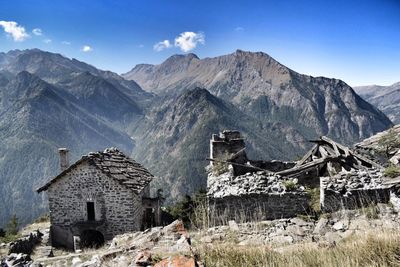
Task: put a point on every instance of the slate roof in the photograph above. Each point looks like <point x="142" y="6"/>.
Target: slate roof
<point x="114" y="164"/>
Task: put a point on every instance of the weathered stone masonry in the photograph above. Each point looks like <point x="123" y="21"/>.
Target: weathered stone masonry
<point x="253" y="197"/>
<point x="353" y="190"/>
<point x="248" y="190"/>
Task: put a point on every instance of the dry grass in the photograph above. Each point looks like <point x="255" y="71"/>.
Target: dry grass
<point x="374" y="249"/>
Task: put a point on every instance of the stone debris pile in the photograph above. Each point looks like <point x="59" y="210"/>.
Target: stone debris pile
<point x="158" y="247"/>
<point x="250" y="183"/>
<point x="368" y="179"/>
<point x="325" y="231"/>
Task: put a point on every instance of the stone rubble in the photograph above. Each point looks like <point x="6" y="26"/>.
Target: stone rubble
<point x="325" y="231"/>
<point x="172" y="243"/>
<point x="354" y="180"/>
<point x="250" y="183"/>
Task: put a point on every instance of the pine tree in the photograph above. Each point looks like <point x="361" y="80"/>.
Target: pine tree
<point x="12" y="226"/>
<point x="389" y="142"/>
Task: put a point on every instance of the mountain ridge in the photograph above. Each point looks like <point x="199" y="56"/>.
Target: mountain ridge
<point x="386" y="98"/>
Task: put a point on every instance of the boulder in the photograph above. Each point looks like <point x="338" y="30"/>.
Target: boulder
<point x="233" y="226"/>
<point x="143" y="258"/>
<point x="16" y="259"/>
<point x="299" y="222"/>
<point x="321" y="227"/>
<point x="295" y="230"/>
<point x="177" y="261"/>
<point x="280" y="239"/>
<point x="339" y="226"/>
<point x="332" y="237"/>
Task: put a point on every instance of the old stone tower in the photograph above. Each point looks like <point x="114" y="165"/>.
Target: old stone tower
<point x="99" y="196"/>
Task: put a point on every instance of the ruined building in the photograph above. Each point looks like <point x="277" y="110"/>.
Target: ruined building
<point x="244" y="189"/>
<point x="101" y="195"/>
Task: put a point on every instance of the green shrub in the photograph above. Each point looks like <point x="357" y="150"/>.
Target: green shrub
<point x="219" y="168"/>
<point x="12" y="226"/>
<point x="11" y="233"/>
<point x="392" y="171"/>
<point x="371" y="212"/>
<point x="389" y="143"/>
<point x="290" y="185"/>
<point x="315" y="204"/>
<point x="9" y="238"/>
<point x="193" y="211"/>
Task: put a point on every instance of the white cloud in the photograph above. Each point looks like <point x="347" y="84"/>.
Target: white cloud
<point x="162" y="45"/>
<point x="66" y="43"/>
<point x="141" y="46"/>
<point x="17" y="32"/>
<point x="87" y="48"/>
<point x="37" y="32"/>
<point x="187" y="41"/>
<point x="239" y="29"/>
<point x="47" y="41"/>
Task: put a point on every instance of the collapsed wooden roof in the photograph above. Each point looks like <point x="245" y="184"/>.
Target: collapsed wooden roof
<point x="331" y="154"/>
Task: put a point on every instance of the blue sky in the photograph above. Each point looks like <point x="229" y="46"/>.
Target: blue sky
<point x="357" y="41"/>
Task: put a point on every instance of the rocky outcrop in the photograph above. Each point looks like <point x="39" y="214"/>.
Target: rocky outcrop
<point x="371" y="147"/>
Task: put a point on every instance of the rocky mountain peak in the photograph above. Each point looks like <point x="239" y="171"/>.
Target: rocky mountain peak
<point x="178" y="62"/>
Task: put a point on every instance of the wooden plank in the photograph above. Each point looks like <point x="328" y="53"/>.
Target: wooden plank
<point x="335" y="148"/>
<point x="238" y="164"/>
<point x="323" y="152"/>
<point x="307" y="155"/>
<point x="333" y="143"/>
<point x="373" y="163"/>
<point x="304" y="167"/>
<point x="349" y="152"/>
<point x="331" y="152"/>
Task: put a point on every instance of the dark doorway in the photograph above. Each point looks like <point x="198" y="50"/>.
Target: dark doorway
<point x="148" y="218"/>
<point x="90" y="211"/>
<point x="92" y="239"/>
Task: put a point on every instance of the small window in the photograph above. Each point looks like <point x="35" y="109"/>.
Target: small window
<point x="90" y="211"/>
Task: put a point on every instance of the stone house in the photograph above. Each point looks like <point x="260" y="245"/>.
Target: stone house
<point x="101" y="195"/>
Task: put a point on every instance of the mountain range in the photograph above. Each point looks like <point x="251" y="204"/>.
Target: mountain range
<point x="162" y="115"/>
<point x="386" y="98"/>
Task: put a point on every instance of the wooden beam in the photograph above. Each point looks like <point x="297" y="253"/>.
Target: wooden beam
<point x="307" y="155"/>
<point x="349" y="152"/>
<point x="323" y="152"/>
<point x="238" y="164"/>
<point x="304" y="167"/>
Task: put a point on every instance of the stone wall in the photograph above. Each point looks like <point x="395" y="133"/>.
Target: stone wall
<point x="334" y="201"/>
<point x="26" y="244"/>
<point x="258" y="207"/>
<point x="117" y="209"/>
<point x="352" y="190"/>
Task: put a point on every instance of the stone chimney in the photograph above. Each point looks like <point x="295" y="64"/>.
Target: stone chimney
<point x="64" y="159"/>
